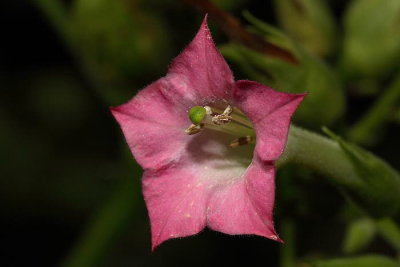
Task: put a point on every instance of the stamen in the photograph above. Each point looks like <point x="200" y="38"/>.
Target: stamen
<point x="237" y="116"/>
<point x="223" y="118"/>
<point x="228" y="111"/>
<point x="230" y="129"/>
<point x="194" y="129"/>
<point x="242" y="119"/>
<point x="230" y="121"/>
<point x="241" y="141"/>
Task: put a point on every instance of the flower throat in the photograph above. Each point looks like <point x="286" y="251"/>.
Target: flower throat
<point x="231" y="121"/>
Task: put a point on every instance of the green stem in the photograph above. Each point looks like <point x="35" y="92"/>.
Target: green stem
<point x="367" y="128"/>
<point x="320" y="154"/>
<point x="288" y="250"/>
<point x="367" y="180"/>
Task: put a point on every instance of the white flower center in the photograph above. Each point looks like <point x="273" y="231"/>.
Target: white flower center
<point x="223" y="144"/>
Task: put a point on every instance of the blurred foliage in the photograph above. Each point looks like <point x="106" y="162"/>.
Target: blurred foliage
<point x="310" y="23"/>
<point x="118" y="39"/>
<point x="371" y="45"/>
<point x="325" y="100"/>
<point x="369" y="128"/>
<point x="69" y="187"/>
<point x="361" y="261"/>
<point x="230" y="5"/>
<point x="359" y="235"/>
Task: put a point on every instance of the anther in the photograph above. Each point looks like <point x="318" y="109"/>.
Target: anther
<point x="223" y="118"/>
<point x="228" y="111"/>
<point x="241" y="141"/>
<point x="194" y="129"/>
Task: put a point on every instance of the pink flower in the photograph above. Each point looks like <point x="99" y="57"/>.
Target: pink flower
<point x="218" y="169"/>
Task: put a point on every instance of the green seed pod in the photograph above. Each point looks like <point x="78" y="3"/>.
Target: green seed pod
<point x="197" y="114"/>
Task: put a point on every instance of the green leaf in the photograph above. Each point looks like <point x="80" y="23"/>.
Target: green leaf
<point x="361" y="261"/>
<point x="359" y="234"/>
<point x="269" y="32"/>
<point x="390" y="232"/>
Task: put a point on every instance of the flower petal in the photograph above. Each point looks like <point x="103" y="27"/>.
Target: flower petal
<point x="177" y="195"/>
<point x="181" y="200"/>
<point x="176" y="203"/>
<point x="153" y="125"/>
<point x="203" y="66"/>
<point x="270" y="112"/>
<point x="245" y="207"/>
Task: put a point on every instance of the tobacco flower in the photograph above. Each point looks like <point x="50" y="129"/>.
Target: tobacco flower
<point x="207" y="144"/>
